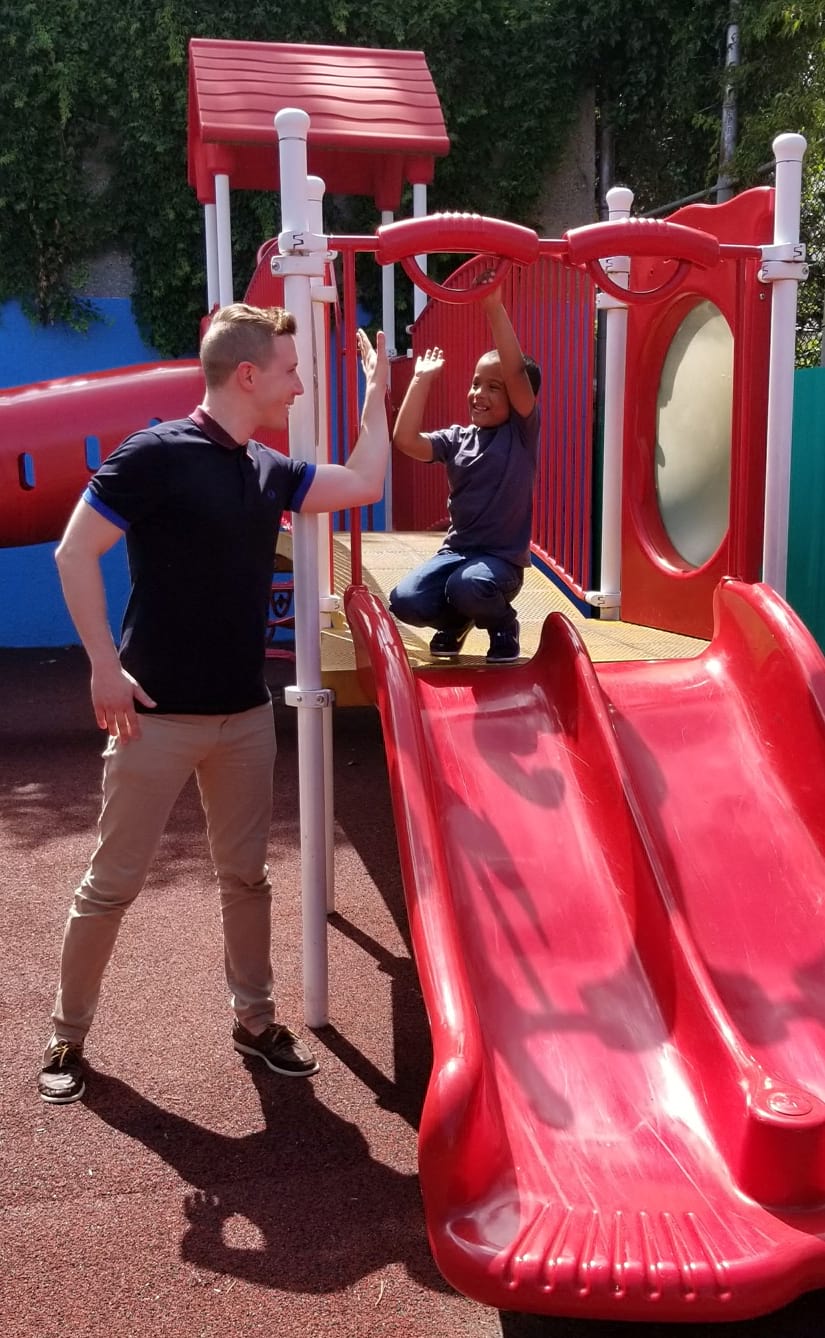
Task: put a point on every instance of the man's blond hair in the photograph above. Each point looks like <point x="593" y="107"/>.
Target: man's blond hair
<point x="241" y="333"/>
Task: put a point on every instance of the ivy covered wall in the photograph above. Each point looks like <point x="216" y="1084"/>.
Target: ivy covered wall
<point x="93" y="109"/>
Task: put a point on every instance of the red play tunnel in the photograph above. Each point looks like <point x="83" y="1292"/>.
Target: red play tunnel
<point x="54" y="434"/>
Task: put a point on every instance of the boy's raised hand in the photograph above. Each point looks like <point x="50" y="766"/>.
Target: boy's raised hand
<point x="429" y="363"/>
<point x="492" y="296"/>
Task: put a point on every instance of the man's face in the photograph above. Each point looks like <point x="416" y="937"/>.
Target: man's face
<point x="487" y="397"/>
<point x="277" y="384"/>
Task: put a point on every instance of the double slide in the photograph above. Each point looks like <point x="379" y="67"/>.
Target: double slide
<point x="615" y="880"/>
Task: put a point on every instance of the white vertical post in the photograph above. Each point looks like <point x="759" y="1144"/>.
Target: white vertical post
<point x="210" y="229"/>
<point x="329" y="810"/>
<point x="388" y="325"/>
<point x="291" y="126"/>
<point x="315" y="209"/>
<point x="223" y="227"/>
<point x="388" y="294"/>
<point x="315" y="213"/>
<point x="419" y="210"/>
<point x="619" y="199"/>
<point x="789" y="151"/>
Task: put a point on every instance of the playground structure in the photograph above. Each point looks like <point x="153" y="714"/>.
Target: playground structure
<point x="613" y="876"/>
<point x="615" y="1124"/>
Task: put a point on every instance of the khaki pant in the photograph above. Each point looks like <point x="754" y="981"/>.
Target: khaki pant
<point x="232" y="757"/>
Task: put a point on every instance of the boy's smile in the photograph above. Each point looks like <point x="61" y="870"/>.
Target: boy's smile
<point x="487" y="396"/>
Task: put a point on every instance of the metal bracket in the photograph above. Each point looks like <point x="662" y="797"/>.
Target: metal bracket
<point x="603" y="599"/>
<point x="616" y="264"/>
<point x="784" y="251"/>
<point x="330" y="603"/>
<point x="773" y="270"/>
<point x="323" y="293"/>
<point x="315" y="697"/>
<point x="310" y="265"/>
<point x="301" y="241"/>
<point x="606" y="302"/>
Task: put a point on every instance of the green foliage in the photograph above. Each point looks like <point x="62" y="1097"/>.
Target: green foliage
<point x="94" y="105"/>
<point x="48" y="219"/>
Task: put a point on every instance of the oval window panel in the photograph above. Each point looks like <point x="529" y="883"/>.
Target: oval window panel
<point x="693" y="433"/>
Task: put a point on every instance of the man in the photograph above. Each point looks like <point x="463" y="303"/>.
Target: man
<point x="200" y="503"/>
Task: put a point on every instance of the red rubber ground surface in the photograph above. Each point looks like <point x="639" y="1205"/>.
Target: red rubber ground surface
<point x="190" y="1193"/>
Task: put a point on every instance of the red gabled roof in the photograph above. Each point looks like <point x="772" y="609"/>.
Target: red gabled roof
<point x="375" y="118"/>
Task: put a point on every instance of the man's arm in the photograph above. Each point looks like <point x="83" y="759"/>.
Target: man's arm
<point x="516" y="380"/>
<point x="407" y="436"/>
<point x="87" y="537"/>
<point x="361" y="480"/>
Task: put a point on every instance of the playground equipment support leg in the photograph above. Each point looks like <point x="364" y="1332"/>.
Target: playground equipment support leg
<point x="608" y="597"/>
<point x="226" y="286"/>
<point x="789" y="151"/>
<point x="308" y="696"/>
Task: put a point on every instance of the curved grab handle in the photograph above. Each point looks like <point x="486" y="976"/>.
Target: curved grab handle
<point x="402" y="241"/>
<point x="642" y="237"/>
<point x="602" y="280"/>
<point x="588" y="246"/>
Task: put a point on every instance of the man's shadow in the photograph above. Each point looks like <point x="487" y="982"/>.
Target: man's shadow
<point x="324" y="1212"/>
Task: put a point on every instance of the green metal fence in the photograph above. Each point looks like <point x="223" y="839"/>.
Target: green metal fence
<point x="806" y="539"/>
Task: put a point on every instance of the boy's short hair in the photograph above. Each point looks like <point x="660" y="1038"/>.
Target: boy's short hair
<point x="533" y="371"/>
<point x="241" y="333"/>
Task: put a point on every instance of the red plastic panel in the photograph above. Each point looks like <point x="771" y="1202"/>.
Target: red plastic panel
<point x="551" y="305"/>
<point x="660" y="589"/>
<point x="614" y="881"/>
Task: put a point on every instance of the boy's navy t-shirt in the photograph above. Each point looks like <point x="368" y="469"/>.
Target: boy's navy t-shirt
<point x="201" y="516"/>
<point x="491" y="474"/>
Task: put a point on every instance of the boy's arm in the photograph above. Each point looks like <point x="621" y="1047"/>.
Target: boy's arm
<point x="406" y="434"/>
<point x="516" y="380"/>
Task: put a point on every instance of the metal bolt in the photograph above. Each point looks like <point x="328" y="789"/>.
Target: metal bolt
<point x="789" y="1103"/>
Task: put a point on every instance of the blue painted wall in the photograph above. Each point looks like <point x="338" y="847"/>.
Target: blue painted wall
<point x="31" y="352"/>
<point x="32" y="612"/>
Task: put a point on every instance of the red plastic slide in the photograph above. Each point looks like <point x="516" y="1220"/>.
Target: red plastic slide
<point x="53" y="435"/>
<point x="615" y="878"/>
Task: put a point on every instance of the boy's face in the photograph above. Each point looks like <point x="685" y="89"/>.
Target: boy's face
<point x="487" y="398"/>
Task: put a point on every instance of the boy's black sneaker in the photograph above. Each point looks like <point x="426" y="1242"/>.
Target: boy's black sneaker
<point x="504" y="646"/>
<point x="62" y="1077"/>
<point x="445" y="644"/>
<point x="279" y="1048"/>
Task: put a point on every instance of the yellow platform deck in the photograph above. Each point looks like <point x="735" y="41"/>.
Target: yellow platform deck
<point x="387" y="557"/>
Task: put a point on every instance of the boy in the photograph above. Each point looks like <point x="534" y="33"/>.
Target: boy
<point x="491" y="467"/>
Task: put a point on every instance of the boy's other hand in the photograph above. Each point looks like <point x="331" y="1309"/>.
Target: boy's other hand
<point x="429" y="363"/>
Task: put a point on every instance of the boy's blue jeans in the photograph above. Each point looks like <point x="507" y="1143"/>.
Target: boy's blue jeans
<point x="454" y="589"/>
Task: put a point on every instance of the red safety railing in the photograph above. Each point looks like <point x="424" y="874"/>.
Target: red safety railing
<point x="552" y="309"/>
<point x="551" y="299"/>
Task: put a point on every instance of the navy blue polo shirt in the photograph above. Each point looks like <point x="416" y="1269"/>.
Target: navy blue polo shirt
<point x="201" y="516"/>
<point x="491" y="474"/>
